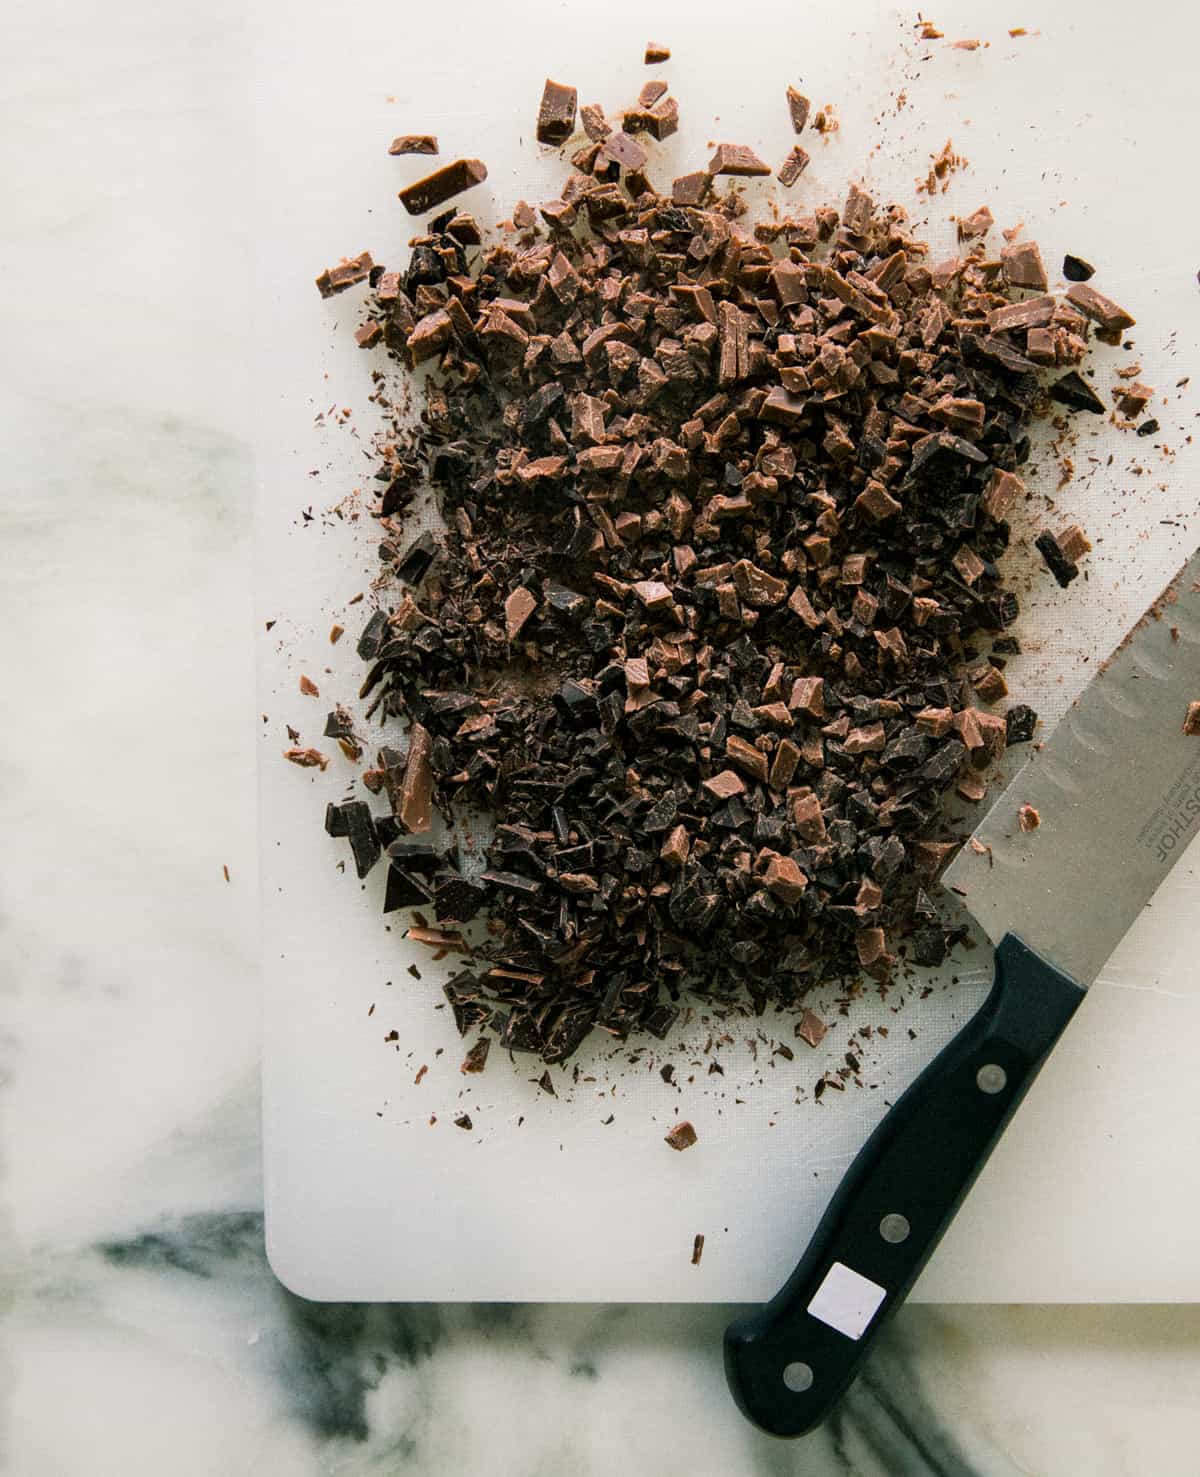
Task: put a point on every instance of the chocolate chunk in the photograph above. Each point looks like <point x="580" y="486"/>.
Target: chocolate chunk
<point x="811" y="1029"/>
<point x="556" y="113"/>
<point x="476" y="1059"/>
<point x="792" y="167"/>
<point x="349" y="271"/>
<point x="1063" y="570"/>
<point x="1022" y="265"/>
<point x="1028" y="818"/>
<point x="1073" y="542"/>
<point x="1075" y="269"/>
<point x="1074" y="391"/>
<point x="414" y="143"/>
<point x="1148" y="428"/>
<point x="691" y="189"/>
<point x="442" y="185"/>
<point x="736" y="159"/>
<point x="415" y="810"/>
<point x="1191" y="720"/>
<point x="519" y="606"/>
<point x="656" y="52"/>
<point x="682" y="1136"/>
<point x="798" y="106"/>
<point x="1113" y="320"/>
<point x="697" y="1248"/>
<point x="595" y="125"/>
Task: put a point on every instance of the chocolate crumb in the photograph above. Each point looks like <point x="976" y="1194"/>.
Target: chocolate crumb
<point x="697" y="1248"/>
<point x="682" y="1136"/>
<point x="1028" y="818"/>
<point x="798" y="106"/>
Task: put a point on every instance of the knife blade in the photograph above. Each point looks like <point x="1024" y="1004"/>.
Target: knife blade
<point x="1116" y="790"/>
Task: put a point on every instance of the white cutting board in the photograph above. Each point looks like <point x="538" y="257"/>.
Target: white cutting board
<point x="1095" y="1193"/>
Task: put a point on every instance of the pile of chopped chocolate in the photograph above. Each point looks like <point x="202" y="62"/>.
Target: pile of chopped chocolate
<point x="717" y="618"/>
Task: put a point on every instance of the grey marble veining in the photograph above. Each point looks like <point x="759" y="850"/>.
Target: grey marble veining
<point x="141" y="1331"/>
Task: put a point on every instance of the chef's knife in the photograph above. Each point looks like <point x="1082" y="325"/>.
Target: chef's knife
<point x="1117" y="790"/>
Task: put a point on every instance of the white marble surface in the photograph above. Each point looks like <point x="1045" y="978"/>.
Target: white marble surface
<point x="142" y="1333"/>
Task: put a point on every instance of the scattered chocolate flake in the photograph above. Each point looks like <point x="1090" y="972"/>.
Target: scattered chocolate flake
<point x="307" y="758"/>
<point x="697" y="1248"/>
<point x="442" y="185"/>
<point x="798" y="106"/>
<point x="1075" y="269"/>
<point x="308" y="687"/>
<point x="336" y="633"/>
<point x="682" y="1136"/>
<point x="656" y="52"/>
<point x="811" y="1029"/>
<point x="556" y="113"/>
<point x="1028" y="818"/>
<point x="414" y="143"/>
<point x="1191" y="721"/>
<point x="476" y="1059"/>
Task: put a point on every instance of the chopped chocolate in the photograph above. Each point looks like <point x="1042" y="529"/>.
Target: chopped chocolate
<point x="1073" y="542"/>
<point x="1028" y="818"/>
<point x="556" y="113"/>
<point x="811" y="1029"/>
<point x="1021" y="262"/>
<point x="1113" y="320"/>
<point x="1063" y="570"/>
<point x="414" y="143"/>
<point x="656" y="52"/>
<point x="1073" y="391"/>
<point x="349" y="271"/>
<point x="691" y="189"/>
<point x="1191" y="720"/>
<point x="1075" y="269"/>
<point x="736" y="159"/>
<point x="476" y="1059"/>
<point x="442" y="185"/>
<point x="716" y="608"/>
<point x="798" y="106"/>
<point x="792" y="167"/>
<point x="306" y="758"/>
<point x="697" y="1248"/>
<point x="682" y="1136"/>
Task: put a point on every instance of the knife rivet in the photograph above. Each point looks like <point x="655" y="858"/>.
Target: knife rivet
<point x="991" y="1078"/>
<point x="894" y="1229"/>
<point x="798" y="1377"/>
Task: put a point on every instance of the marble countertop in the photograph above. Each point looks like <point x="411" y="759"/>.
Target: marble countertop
<point x="142" y="1332"/>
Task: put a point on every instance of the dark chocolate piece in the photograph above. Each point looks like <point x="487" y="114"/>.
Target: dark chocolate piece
<point x="1075" y="269"/>
<point x="1056" y="562"/>
<point x="1074" y="391"/>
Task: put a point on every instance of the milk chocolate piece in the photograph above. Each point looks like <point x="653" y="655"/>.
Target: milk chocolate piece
<point x="691" y="189"/>
<point x="792" y="167"/>
<point x="736" y="159"/>
<point x="656" y="52"/>
<point x="798" y="106"/>
<point x="1022" y="265"/>
<point x="337" y="279"/>
<point x="442" y="185"/>
<point x="415" y="811"/>
<point x="1113" y="319"/>
<point x="414" y="143"/>
<point x="556" y="113"/>
<point x="682" y="1136"/>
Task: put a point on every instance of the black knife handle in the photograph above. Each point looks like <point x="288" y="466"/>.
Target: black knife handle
<point x="787" y="1367"/>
